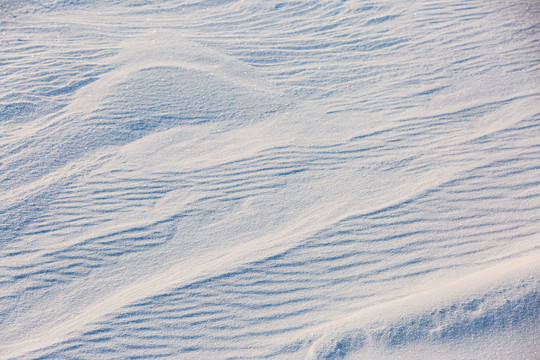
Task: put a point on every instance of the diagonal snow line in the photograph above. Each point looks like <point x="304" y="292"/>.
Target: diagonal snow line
<point x="202" y="268"/>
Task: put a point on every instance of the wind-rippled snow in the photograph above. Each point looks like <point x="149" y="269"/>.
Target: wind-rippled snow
<point x="258" y="179"/>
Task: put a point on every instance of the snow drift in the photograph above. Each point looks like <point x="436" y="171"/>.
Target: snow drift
<point x="259" y="179"/>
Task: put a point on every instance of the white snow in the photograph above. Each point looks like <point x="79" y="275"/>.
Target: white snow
<point x="260" y="179"/>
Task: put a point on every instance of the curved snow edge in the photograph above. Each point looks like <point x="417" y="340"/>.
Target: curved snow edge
<point x="498" y="297"/>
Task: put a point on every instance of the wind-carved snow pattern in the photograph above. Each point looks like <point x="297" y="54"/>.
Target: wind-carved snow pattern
<point x="259" y="179"/>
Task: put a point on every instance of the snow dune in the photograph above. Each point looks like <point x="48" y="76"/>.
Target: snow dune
<point x="260" y="179"/>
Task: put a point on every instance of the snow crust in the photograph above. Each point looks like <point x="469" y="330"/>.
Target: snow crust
<point x="255" y="179"/>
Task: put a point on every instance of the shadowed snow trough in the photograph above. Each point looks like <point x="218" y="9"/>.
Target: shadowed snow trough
<point x="253" y="179"/>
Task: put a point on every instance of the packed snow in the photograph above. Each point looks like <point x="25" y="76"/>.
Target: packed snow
<point x="250" y="179"/>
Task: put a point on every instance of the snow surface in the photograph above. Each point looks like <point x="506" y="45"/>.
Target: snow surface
<point x="250" y="179"/>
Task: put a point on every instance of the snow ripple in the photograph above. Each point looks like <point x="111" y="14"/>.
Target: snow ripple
<point x="246" y="179"/>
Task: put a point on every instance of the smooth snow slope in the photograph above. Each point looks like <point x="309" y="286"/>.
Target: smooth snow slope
<point x="256" y="179"/>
